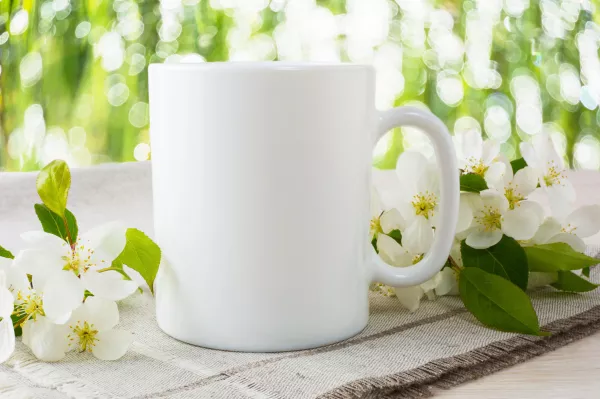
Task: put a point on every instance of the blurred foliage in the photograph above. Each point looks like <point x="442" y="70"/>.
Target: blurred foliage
<point x="73" y="78"/>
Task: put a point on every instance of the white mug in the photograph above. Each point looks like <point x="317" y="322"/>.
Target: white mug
<point x="262" y="180"/>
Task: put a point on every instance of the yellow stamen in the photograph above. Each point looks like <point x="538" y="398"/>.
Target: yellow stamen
<point x="476" y="166"/>
<point x="85" y="334"/>
<point x="417" y="258"/>
<point x="554" y="175"/>
<point x="375" y="226"/>
<point x="490" y="219"/>
<point x="29" y="305"/>
<point x="513" y="197"/>
<point x="424" y="204"/>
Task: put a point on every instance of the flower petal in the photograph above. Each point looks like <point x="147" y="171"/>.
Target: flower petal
<point x="102" y="313"/>
<point x="112" y="344"/>
<point x="490" y="151"/>
<point x="546" y="151"/>
<point x="530" y="156"/>
<point x="392" y="220"/>
<point x="494" y="199"/>
<point x="480" y="239"/>
<point x="109" y="285"/>
<point x="46" y="241"/>
<point x="533" y="207"/>
<point x="549" y="227"/>
<point x="7" y="301"/>
<point x="62" y="293"/>
<point x="410" y="168"/>
<point x="584" y="220"/>
<point x="107" y="240"/>
<point x="376" y="206"/>
<point x="47" y="341"/>
<point x="418" y="236"/>
<point x="7" y="339"/>
<point x="469" y="144"/>
<point x="40" y="263"/>
<point x="561" y="198"/>
<point x="448" y="283"/>
<point x="391" y="252"/>
<point x="410" y="297"/>
<point x="520" y="224"/>
<point x="575" y="242"/>
<point x="465" y="213"/>
<point x="525" y="181"/>
<point x="495" y="175"/>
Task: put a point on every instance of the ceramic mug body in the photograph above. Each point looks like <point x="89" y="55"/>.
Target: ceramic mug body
<point x="261" y="184"/>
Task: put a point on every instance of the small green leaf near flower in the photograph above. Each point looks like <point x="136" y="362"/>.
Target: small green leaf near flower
<point x="473" y="183"/>
<point x="505" y="259"/>
<point x="586" y="271"/>
<point x="142" y="255"/>
<point x="5" y="253"/>
<point x="396" y="235"/>
<point x="53" y="184"/>
<point x="570" y="282"/>
<point x="518" y="164"/>
<point x="556" y="257"/>
<point x="497" y="303"/>
<point x="54" y="224"/>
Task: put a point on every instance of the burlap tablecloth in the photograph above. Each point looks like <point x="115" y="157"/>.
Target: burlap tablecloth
<point x="398" y="355"/>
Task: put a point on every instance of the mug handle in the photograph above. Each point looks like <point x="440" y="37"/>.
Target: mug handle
<point x="435" y="258"/>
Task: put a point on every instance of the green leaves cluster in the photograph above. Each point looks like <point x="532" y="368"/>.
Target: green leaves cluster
<point x="493" y="281"/>
<point x="53" y="184"/>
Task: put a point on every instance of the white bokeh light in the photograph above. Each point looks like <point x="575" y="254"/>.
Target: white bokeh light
<point x="19" y="22"/>
<point x="587" y="153"/>
<point x="30" y="69"/>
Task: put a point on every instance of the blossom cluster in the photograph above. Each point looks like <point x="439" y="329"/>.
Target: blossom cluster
<point x="62" y="296"/>
<point x="495" y="202"/>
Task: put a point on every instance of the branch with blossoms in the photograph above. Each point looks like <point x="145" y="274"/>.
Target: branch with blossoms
<point x="60" y="292"/>
<point x="505" y="243"/>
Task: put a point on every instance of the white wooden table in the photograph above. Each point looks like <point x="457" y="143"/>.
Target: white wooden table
<point x="571" y="372"/>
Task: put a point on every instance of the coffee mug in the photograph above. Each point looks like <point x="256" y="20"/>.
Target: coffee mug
<point x="261" y="182"/>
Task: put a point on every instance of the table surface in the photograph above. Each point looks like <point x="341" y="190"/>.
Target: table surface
<point x="569" y="372"/>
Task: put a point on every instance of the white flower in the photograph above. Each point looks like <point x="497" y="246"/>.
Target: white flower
<point x="420" y="196"/>
<point x="541" y="155"/>
<point x="7" y="333"/>
<point x="476" y="156"/>
<point x="583" y="222"/>
<point x="62" y="273"/>
<point x="410" y="297"/>
<point x="517" y="187"/>
<point x="493" y="218"/>
<point x="383" y="221"/>
<point x="90" y="329"/>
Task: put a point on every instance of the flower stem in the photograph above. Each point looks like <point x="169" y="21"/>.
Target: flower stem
<point x="455" y="266"/>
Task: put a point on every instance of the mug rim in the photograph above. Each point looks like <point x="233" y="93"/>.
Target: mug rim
<point x="263" y="66"/>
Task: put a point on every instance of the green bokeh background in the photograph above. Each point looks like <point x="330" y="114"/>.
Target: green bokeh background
<point x="55" y="65"/>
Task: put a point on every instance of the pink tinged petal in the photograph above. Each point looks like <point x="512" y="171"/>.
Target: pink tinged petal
<point x="112" y="344"/>
<point x="410" y="297"/>
<point x="48" y="341"/>
<point x="62" y="293"/>
<point x="102" y="313"/>
<point x="525" y="181"/>
<point x="392" y="220"/>
<point x="108" y="239"/>
<point x="490" y="151"/>
<point x="520" y="224"/>
<point x="391" y="252"/>
<point x="495" y="176"/>
<point x="465" y="214"/>
<point x="7" y="302"/>
<point x="550" y="227"/>
<point x="418" y="236"/>
<point x="584" y="221"/>
<point x="7" y="339"/>
<point x="575" y="242"/>
<point x="480" y="239"/>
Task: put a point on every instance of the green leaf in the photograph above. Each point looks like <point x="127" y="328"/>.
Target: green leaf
<point x="506" y="259"/>
<point x="5" y="253"/>
<point x="142" y="255"/>
<point x="518" y="164"/>
<point x="374" y="243"/>
<point x="14" y="317"/>
<point x="53" y="183"/>
<point x="586" y="271"/>
<point x="556" y="257"/>
<point x="569" y="281"/>
<point x="396" y="235"/>
<point x="497" y="303"/>
<point x="54" y="224"/>
<point x="472" y="183"/>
